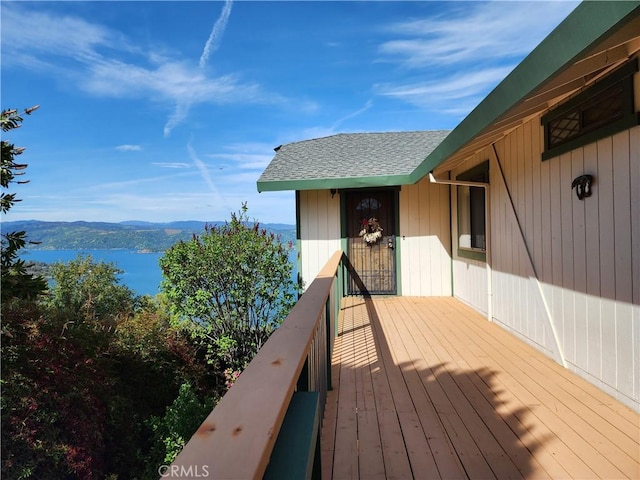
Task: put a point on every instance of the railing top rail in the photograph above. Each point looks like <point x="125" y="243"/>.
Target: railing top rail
<point x="237" y="438"/>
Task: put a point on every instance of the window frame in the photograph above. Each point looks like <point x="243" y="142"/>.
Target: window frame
<point x="478" y="173"/>
<point x="626" y="117"/>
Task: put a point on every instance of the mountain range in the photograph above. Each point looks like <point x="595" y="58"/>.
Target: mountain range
<point x="132" y="235"/>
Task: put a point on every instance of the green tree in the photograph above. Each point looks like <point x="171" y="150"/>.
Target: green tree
<point x="17" y="283"/>
<point x="90" y="291"/>
<point x="233" y="283"/>
<point x="173" y="430"/>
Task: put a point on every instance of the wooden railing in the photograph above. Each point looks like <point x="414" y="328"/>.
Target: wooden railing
<point x="237" y="439"/>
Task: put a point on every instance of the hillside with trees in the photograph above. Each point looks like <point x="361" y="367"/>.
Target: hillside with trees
<point x="144" y="236"/>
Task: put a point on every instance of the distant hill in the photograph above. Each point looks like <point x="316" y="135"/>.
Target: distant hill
<point x="132" y="235"/>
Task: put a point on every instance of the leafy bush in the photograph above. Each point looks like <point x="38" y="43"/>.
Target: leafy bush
<point x="179" y="422"/>
<point x="53" y="399"/>
<point x="79" y="389"/>
<point x="233" y="285"/>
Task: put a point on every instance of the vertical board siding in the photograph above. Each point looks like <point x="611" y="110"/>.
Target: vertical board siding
<point x="585" y="254"/>
<point x="607" y="260"/>
<point x="319" y="231"/>
<point x="593" y="347"/>
<point x="624" y="277"/>
<point x="424" y="240"/>
<point x="517" y="303"/>
<point x="473" y="290"/>
<point x="634" y="167"/>
<point x="566" y="199"/>
<point x="579" y="266"/>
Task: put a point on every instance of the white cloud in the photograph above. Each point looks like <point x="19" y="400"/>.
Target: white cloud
<point x="105" y="63"/>
<point x="245" y="161"/>
<point x="464" y="52"/>
<point x="28" y="33"/>
<point x="474" y="32"/>
<point x="129" y="148"/>
<point x="134" y="182"/>
<point x="171" y="164"/>
<point x="468" y="88"/>
<point x="246" y="156"/>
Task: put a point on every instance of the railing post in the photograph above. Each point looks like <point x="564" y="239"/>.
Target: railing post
<point x="303" y="380"/>
<point x="329" y="339"/>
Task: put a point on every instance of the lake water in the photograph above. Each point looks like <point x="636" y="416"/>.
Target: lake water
<point x="142" y="272"/>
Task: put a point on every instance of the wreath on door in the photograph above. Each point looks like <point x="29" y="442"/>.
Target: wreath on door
<point x="371" y="231"/>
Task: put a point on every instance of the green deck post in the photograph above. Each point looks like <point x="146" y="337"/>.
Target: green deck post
<point x="295" y="455"/>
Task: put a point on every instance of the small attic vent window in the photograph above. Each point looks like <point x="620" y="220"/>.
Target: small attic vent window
<point x="602" y="110"/>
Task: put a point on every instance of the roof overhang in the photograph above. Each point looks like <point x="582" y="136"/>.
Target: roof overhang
<point x="594" y="39"/>
<point x="335" y="183"/>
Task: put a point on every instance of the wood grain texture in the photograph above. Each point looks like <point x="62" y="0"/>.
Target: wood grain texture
<point x="455" y="396"/>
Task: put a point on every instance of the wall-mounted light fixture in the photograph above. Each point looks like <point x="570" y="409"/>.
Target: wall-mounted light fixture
<point x="333" y="192"/>
<point x="582" y="184"/>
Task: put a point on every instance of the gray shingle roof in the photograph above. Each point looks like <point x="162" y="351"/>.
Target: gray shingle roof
<point x="351" y="155"/>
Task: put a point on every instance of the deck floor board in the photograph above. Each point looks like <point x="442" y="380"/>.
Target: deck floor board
<point x="427" y="388"/>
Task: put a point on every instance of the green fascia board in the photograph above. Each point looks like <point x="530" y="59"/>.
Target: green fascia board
<point x="337" y="183"/>
<point x="584" y="27"/>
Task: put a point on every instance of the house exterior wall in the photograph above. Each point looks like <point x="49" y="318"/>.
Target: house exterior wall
<point x="565" y="273"/>
<point x="319" y="227"/>
<point x="425" y="240"/>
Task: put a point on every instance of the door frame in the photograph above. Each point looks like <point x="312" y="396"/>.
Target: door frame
<point x="344" y="239"/>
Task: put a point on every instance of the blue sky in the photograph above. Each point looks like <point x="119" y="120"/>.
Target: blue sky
<point x="170" y="110"/>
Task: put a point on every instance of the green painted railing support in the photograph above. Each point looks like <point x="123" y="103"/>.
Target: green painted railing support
<point x="296" y="454"/>
<point x="329" y="340"/>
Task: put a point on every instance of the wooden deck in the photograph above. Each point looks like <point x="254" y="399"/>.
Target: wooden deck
<point x="427" y="388"/>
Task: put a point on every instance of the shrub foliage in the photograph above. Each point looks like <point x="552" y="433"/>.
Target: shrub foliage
<point x="232" y="285"/>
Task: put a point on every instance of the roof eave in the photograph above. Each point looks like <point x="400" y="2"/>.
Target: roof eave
<point x="583" y="28"/>
<point x="333" y="183"/>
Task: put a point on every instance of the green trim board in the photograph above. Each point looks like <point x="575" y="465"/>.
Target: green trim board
<point x="337" y="183"/>
<point x="397" y="243"/>
<point x="478" y="255"/>
<point x="298" y="242"/>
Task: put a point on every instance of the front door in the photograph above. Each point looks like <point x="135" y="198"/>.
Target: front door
<point x="370" y="217"/>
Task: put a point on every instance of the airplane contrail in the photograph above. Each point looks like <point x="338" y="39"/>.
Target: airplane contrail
<point x="183" y="104"/>
<point x="204" y="174"/>
<point x="213" y="42"/>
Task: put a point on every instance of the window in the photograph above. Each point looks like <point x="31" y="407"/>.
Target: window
<point x="471" y="213"/>
<point x="601" y="110"/>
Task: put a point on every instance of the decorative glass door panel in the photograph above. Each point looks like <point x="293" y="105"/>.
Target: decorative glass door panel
<point x="371" y="239"/>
